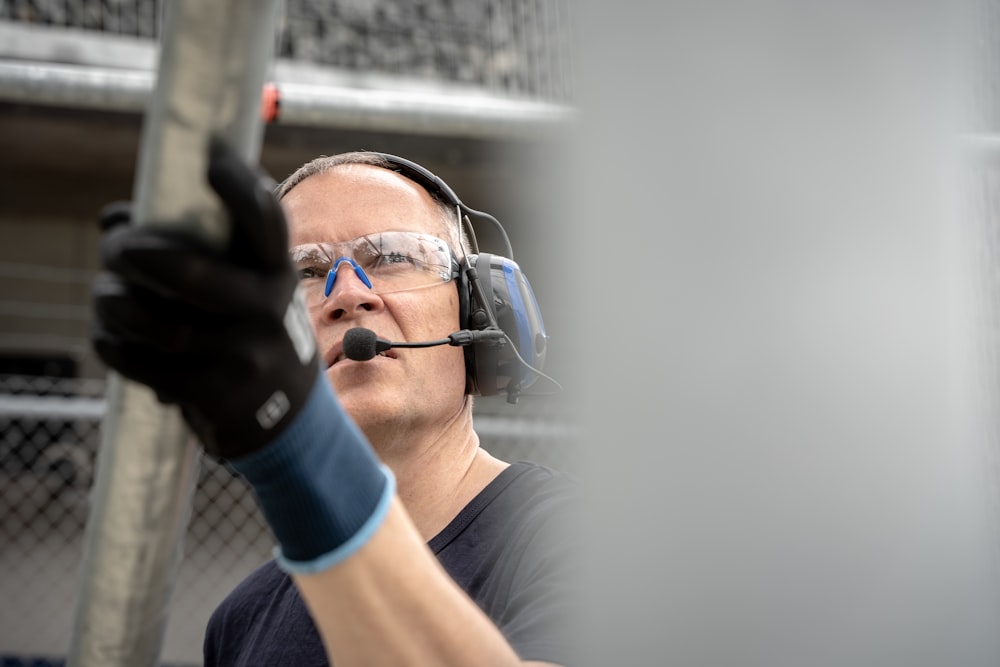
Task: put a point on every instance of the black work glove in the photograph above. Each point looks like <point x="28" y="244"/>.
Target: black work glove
<point x="218" y="332"/>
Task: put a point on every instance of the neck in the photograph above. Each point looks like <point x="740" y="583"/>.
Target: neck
<point x="439" y="470"/>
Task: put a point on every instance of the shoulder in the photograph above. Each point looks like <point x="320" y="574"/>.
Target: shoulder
<point x="538" y="503"/>
<point x="521" y="496"/>
<point x="529" y="481"/>
<point x="517" y="524"/>
<point x="536" y="491"/>
<point x="264" y="582"/>
<point x="514" y="558"/>
<point x="251" y="593"/>
<point x="262" y="617"/>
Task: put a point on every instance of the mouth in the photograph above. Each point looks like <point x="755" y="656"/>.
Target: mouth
<point x="335" y="355"/>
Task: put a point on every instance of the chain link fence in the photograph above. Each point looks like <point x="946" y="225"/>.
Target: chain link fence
<point x="139" y="18"/>
<point x="514" y="47"/>
<point x="49" y="439"/>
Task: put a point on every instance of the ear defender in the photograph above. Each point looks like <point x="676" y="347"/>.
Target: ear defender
<point x="492" y="369"/>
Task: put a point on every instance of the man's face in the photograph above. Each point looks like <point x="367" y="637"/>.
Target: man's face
<point x="408" y="387"/>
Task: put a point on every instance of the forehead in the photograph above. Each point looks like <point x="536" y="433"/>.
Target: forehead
<point x="357" y="199"/>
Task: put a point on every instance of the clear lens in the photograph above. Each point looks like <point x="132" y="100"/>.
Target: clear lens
<point x="393" y="262"/>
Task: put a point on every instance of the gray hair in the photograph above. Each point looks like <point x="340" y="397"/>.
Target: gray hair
<point x="451" y="216"/>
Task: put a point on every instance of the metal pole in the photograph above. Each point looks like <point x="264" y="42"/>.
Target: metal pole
<point x="213" y="58"/>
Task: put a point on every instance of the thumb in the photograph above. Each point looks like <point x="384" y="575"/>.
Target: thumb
<point x="114" y="214"/>
<point x="259" y="231"/>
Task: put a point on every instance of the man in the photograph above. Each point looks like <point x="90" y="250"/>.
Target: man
<point x="400" y="540"/>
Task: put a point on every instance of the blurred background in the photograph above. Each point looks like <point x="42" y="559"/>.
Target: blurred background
<point x="474" y="90"/>
<point x="802" y="397"/>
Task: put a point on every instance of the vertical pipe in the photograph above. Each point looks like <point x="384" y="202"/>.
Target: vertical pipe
<point x="213" y="57"/>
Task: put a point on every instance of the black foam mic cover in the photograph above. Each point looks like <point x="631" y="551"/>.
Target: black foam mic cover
<point x="360" y="344"/>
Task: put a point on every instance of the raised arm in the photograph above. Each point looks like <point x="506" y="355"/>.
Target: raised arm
<point x="223" y="335"/>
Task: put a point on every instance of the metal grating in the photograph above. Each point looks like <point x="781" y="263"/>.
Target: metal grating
<point x="515" y="47"/>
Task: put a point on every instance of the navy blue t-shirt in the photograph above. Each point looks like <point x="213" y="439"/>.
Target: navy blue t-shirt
<point x="508" y="549"/>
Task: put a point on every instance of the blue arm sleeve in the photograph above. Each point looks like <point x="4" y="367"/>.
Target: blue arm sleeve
<point x="322" y="489"/>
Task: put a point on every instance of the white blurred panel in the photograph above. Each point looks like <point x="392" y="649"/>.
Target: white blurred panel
<point x="780" y="368"/>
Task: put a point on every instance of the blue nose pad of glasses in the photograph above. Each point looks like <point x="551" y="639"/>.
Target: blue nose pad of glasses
<point x="331" y="277"/>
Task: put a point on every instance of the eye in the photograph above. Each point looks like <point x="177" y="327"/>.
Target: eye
<point x="307" y="272"/>
<point x="311" y="261"/>
<point x="396" y="258"/>
<point x="393" y="263"/>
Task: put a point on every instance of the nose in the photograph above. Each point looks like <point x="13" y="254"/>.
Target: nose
<point x="348" y="293"/>
<point x="331" y="277"/>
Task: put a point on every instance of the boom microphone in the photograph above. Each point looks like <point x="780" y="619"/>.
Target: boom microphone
<point x="362" y="344"/>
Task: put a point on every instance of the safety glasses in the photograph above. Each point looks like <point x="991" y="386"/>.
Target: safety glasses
<point x="384" y="262"/>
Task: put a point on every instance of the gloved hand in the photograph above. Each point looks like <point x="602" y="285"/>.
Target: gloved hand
<point x="224" y="334"/>
<point x="218" y="332"/>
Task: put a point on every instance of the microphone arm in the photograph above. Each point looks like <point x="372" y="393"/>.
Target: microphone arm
<point x="468" y="337"/>
<point x="457" y="339"/>
<point x="362" y="344"/>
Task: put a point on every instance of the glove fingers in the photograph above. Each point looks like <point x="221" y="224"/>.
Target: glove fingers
<point x="177" y="375"/>
<point x="180" y="268"/>
<point x="259" y="233"/>
<point x="170" y="375"/>
<point x="132" y="313"/>
<point x="135" y="328"/>
<point x="115" y="214"/>
<point x="157" y="259"/>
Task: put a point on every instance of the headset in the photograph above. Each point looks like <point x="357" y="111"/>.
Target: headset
<point x="493" y="294"/>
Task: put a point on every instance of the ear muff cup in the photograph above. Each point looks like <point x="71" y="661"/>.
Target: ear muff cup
<point x="493" y="369"/>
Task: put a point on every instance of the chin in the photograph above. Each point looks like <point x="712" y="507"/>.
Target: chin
<point x="363" y="401"/>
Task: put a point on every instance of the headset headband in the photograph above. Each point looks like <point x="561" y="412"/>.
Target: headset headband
<point x="436" y="186"/>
